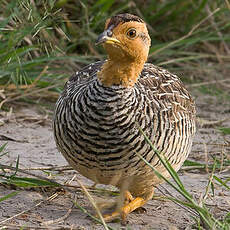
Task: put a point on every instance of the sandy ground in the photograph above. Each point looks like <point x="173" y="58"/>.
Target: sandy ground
<point x="28" y="133"/>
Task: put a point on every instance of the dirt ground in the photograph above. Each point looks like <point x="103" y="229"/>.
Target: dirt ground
<point x="28" y="133"/>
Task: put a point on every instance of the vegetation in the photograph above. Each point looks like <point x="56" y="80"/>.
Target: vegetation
<point x="43" y="42"/>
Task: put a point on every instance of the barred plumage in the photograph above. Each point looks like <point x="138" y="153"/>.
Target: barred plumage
<point x="96" y="126"/>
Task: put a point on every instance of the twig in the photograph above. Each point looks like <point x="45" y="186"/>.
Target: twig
<point x="60" y="219"/>
<point x="196" y="57"/>
<point x="86" y="212"/>
<point x="228" y="4"/>
<point x="29" y="209"/>
<point x="23" y="226"/>
<point x="66" y="186"/>
<point x="69" y="181"/>
<point x="212" y="19"/>
<point x="28" y="94"/>
<point x="39" y="77"/>
<point x="185" y="36"/>
<point x="53" y="168"/>
<point x="206" y="124"/>
<point x="93" y="203"/>
<point x="208" y="83"/>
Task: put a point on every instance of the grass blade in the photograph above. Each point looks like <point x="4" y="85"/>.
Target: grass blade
<point x="8" y="196"/>
<point x="28" y="182"/>
<point x="206" y="217"/>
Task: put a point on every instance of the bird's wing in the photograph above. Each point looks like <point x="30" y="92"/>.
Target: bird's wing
<point x="166" y="88"/>
<point x="81" y="77"/>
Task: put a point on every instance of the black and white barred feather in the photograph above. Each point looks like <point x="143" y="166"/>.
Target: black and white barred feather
<point x="96" y="127"/>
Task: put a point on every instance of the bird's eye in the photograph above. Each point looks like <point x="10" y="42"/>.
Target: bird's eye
<point x="131" y="33"/>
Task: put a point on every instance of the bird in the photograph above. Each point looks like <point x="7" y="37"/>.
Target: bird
<point x="99" y="115"/>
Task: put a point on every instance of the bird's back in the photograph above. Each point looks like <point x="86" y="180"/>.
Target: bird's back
<point x="97" y="127"/>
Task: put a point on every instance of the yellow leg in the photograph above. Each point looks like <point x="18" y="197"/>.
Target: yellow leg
<point x="128" y="196"/>
<point x="127" y="208"/>
<point x="133" y="205"/>
<point x="106" y="204"/>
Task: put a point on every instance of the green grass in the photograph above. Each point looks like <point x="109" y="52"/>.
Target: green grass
<point x="12" y="194"/>
<point x="206" y="219"/>
<point x="225" y="130"/>
<point x="216" y="91"/>
<point x="44" y="42"/>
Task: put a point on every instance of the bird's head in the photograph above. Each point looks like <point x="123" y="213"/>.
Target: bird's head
<point x="125" y="38"/>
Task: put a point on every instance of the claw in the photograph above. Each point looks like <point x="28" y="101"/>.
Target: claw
<point x="130" y="205"/>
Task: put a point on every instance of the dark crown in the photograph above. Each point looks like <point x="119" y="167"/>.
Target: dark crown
<point x="122" y="18"/>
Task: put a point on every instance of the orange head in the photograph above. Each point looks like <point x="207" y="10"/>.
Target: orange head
<point x="127" y="43"/>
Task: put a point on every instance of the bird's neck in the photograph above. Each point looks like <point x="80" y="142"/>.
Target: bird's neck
<point x="120" y="72"/>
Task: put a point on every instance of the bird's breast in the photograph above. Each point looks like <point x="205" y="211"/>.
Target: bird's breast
<point x="98" y="131"/>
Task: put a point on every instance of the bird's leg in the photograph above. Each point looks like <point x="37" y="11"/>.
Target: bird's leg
<point x="128" y="197"/>
<point x="102" y="205"/>
<point x="130" y="205"/>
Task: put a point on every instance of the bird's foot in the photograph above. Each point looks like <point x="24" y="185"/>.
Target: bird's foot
<point x="130" y="204"/>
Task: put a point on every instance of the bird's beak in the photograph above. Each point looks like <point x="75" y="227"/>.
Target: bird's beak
<point x="106" y="37"/>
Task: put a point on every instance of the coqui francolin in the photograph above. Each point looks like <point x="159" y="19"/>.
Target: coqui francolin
<point x="98" y="116"/>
